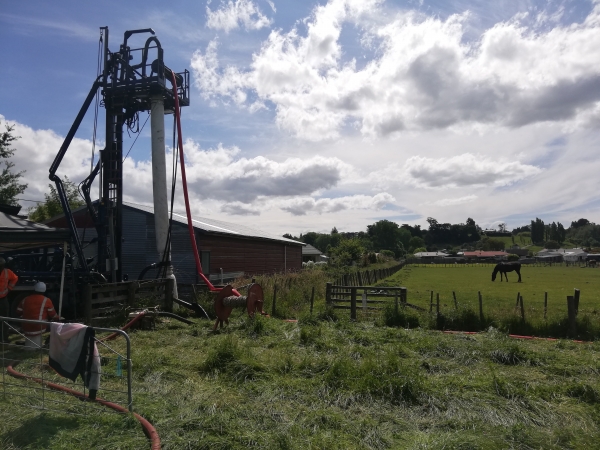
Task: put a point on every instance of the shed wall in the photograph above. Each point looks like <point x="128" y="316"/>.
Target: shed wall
<point x="249" y="256"/>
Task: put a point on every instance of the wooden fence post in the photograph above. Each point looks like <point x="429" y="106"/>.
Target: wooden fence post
<point x="518" y="299"/>
<point x="431" y="302"/>
<point x="328" y="294"/>
<point x="312" y="300"/>
<point x="374" y="276"/>
<point x="169" y="286"/>
<point x="87" y="303"/>
<point x="480" y="306"/>
<point x="353" y="303"/>
<point x="545" y="304"/>
<point x="437" y="306"/>
<point x="522" y="310"/>
<point x="396" y="303"/>
<point x="273" y="306"/>
<point x="455" y="302"/>
<point x="403" y="295"/>
<point x="576" y="301"/>
<point x="572" y="319"/>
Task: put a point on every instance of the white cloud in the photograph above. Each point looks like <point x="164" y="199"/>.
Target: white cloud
<point x="424" y="75"/>
<point x="35" y="152"/>
<point x="303" y="206"/>
<point x="465" y="170"/>
<point x="454" y="201"/>
<point x="236" y="14"/>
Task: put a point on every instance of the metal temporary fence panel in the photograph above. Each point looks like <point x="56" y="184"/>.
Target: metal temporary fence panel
<point x="32" y="362"/>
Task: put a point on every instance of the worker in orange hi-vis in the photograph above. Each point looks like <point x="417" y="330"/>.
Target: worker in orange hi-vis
<point x="7" y="282"/>
<point x="36" y="307"/>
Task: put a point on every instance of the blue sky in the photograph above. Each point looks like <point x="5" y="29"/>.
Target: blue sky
<point x="309" y="115"/>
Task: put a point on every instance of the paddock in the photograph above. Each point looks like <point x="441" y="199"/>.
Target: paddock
<point x="554" y="282"/>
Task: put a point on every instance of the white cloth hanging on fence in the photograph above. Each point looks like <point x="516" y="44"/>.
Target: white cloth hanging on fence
<point x="73" y="352"/>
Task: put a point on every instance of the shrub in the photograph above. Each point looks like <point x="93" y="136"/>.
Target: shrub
<point x="512" y="257"/>
<point x="401" y="318"/>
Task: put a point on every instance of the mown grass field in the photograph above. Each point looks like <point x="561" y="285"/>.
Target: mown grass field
<point x="329" y="383"/>
<point x="325" y="384"/>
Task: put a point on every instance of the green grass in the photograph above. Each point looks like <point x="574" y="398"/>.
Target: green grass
<point x="325" y="384"/>
<point x="499" y="298"/>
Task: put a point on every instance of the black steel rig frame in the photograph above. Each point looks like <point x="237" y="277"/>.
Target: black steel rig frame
<point x="126" y="90"/>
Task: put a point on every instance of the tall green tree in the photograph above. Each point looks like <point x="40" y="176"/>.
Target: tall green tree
<point x="10" y="186"/>
<point x="387" y="235"/>
<point x="51" y="206"/>
<point x="538" y="231"/>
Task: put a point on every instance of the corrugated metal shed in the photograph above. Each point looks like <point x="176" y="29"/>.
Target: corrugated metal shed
<point x="217" y="226"/>
<point x="223" y="245"/>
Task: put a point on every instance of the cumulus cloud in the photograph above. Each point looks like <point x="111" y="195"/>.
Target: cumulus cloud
<point x="454" y="201"/>
<point x="424" y="73"/>
<point x="303" y="206"/>
<point x="220" y="174"/>
<point x="236" y="14"/>
<point x="239" y="209"/>
<point x="465" y="170"/>
<point x="35" y="152"/>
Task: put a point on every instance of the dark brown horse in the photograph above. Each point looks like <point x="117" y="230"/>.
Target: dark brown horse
<point x="506" y="267"/>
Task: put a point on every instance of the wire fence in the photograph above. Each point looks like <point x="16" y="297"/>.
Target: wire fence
<point x="27" y="377"/>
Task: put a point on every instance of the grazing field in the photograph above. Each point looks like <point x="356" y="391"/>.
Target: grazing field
<point x="327" y="384"/>
<point x="467" y="280"/>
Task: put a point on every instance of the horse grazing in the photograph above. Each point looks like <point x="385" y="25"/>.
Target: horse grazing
<point x="503" y="268"/>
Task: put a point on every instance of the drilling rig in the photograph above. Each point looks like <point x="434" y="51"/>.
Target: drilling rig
<point x="132" y="80"/>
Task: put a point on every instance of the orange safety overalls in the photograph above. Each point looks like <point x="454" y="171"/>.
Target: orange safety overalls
<point x="8" y="279"/>
<point x="35" y="307"/>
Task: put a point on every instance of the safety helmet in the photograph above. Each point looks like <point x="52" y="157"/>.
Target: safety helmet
<point x="39" y="287"/>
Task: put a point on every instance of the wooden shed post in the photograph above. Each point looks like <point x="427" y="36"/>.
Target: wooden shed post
<point x="87" y="303"/>
<point x="131" y="290"/>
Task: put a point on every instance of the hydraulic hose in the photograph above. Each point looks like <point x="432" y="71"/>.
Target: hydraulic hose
<point x="185" y="191"/>
<point x="149" y="430"/>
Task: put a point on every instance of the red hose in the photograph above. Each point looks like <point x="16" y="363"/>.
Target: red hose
<point x="149" y="430"/>
<point x="110" y="337"/>
<point x="516" y="336"/>
<point x="185" y="191"/>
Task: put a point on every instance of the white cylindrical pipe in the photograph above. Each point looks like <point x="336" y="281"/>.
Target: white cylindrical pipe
<point x="159" y="183"/>
<point x="159" y="173"/>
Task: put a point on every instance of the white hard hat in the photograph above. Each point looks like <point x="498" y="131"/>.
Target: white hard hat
<point x="39" y="287"/>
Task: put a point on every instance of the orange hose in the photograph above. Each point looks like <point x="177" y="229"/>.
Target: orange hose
<point x="149" y="430"/>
